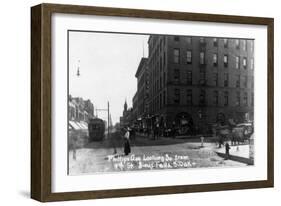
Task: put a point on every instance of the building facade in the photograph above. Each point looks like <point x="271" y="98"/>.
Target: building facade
<point x="135" y="106"/>
<point x="142" y="102"/>
<point x="79" y="109"/>
<point x="198" y="81"/>
<point x="127" y="118"/>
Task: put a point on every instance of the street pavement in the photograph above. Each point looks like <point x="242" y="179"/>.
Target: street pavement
<point x="237" y="150"/>
<point x="240" y="153"/>
<point x="146" y="154"/>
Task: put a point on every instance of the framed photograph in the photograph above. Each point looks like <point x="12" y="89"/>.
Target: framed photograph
<point x="130" y="102"/>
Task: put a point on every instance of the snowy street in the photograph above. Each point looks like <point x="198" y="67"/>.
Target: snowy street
<point x="146" y="154"/>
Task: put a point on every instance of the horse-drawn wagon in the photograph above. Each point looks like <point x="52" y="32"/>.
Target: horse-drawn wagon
<point x="237" y="134"/>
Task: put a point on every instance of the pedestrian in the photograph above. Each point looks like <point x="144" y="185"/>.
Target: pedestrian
<point x="157" y="131"/>
<point x="127" y="147"/>
<point x="227" y="148"/>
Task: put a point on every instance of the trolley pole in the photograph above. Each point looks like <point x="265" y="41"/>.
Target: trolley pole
<point x="112" y="141"/>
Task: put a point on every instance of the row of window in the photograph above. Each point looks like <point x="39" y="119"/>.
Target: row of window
<point x="158" y="61"/>
<point x="202" y="59"/>
<point x="160" y="46"/>
<point x="239" y="43"/>
<point x="218" y="98"/>
<point x="203" y="81"/>
<point x="215" y="98"/>
<point x="239" y="81"/>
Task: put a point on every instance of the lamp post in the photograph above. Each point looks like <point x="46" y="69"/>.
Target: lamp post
<point x="78" y="69"/>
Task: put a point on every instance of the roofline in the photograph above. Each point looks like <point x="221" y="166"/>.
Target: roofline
<point x="142" y="61"/>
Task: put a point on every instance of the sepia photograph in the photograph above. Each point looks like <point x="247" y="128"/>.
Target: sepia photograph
<point x="143" y="102"/>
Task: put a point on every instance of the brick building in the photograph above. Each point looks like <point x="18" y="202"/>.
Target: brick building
<point x="135" y="106"/>
<point x="142" y="102"/>
<point x="198" y="81"/>
<point x="79" y="109"/>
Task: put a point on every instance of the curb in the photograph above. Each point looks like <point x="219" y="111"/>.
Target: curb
<point x="247" y="161"/>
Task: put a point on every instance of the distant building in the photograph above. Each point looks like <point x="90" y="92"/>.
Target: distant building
<point x="127" y="118"/>
<point x="196" y="81"/>
<point x="79" y="109"/>
<point x="89" y="107"/>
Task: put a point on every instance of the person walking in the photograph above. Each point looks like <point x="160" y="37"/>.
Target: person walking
<point x="227" y="148"/>
<point x="157" y="131"/>
<point x="127" y="147"/>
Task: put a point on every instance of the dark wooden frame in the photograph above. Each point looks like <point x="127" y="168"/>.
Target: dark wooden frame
<point x="41" y="101"/>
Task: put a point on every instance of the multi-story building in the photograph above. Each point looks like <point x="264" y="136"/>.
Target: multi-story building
<point x="79" y="109"/>
<point x="127" y="118"/>
<point x="89" y="107"/>
<point x="198" y="81"/>
<point x="142" y="76"/>
<point x="135" y="106"/>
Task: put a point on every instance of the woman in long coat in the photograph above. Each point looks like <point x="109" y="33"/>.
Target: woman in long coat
<point x="127" y="147"/>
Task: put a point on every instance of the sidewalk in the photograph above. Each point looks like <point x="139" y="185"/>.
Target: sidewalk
<point x="238" y="153"/>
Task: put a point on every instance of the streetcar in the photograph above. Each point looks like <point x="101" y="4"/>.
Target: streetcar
<point x="96" y="128"/>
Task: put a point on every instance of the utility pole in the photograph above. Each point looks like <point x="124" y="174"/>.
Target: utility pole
<point x="108" y="125"/>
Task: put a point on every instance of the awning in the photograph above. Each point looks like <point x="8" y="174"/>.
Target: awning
<point x="84" y="125"/>
<point x="78" y="125"/>
<point x="81" y="125"/>
<point x="71" y="105"/>
<point x="74" y="125"/>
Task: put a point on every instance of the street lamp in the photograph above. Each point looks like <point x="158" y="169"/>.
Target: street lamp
<point x="78" y="69"/>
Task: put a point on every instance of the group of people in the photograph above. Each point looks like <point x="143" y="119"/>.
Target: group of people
<point x="157" y="131"/>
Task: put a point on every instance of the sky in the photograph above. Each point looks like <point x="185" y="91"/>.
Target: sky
<point x="108" y="63"/>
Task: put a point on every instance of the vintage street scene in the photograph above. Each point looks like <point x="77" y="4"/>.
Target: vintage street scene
<point x="142" y="102"/>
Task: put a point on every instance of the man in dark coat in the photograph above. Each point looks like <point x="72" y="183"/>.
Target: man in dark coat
<point x="227" y="148"/>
